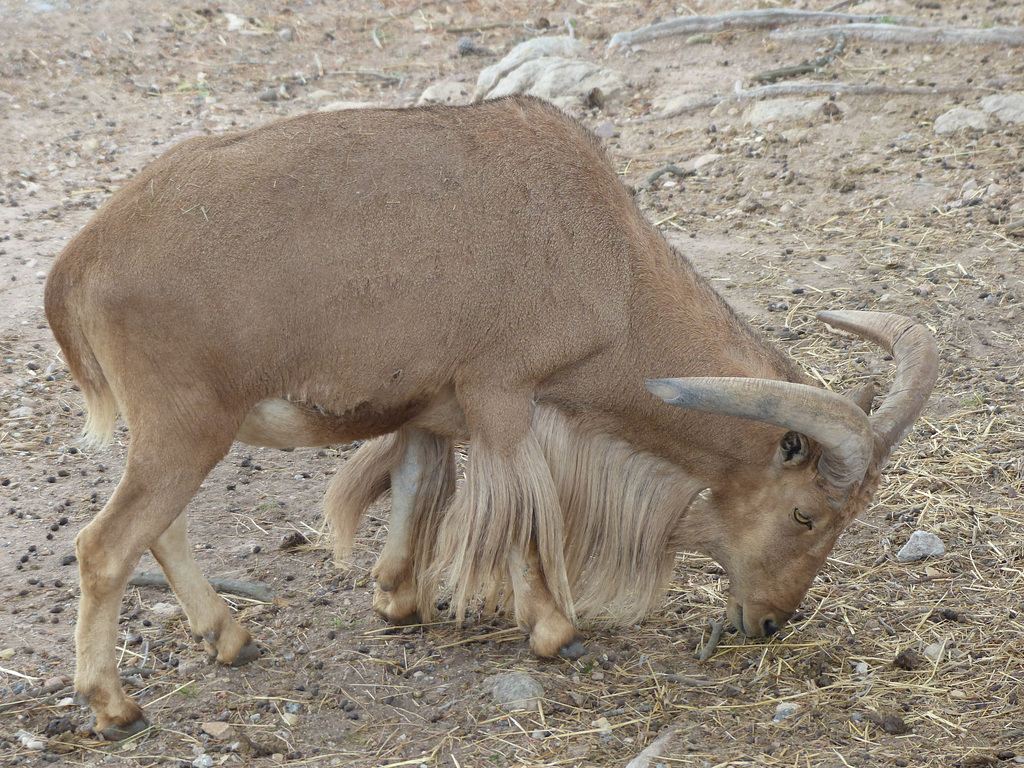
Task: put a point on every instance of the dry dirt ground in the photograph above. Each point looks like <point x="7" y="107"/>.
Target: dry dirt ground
<point x="859" y="206"/>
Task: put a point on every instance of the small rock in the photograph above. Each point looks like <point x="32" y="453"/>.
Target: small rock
<point x="934" y="652"/>
<point x="465" y="46"/>
<point x="290" y="718"/>
<point x="763" y="113"/>
<point x="514" y="691"/>
<point x="861" y="668"/>
<point x="960" y="118"/>
<point x="550" y="67"/>
<point x="219" y="731"/>
<point x="603" y="725"/>
<point x="924" y="289"/>
<point x="703" y="161"/>
<point x="167" y="610"/>
<point x="920" y="545"/>
<point x="784" y="711"/>
<point x="187" y="670"/>
<point x="1005" y="107"/>
<point x="7" y="653"/>
<point x="29" y="741"/>
<point x="287" y="34"/>
<point x="203" y="761"/>
<point x="606" y="130"/>
<point x="445" y="92"/>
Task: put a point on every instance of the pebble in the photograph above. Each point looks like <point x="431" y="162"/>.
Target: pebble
<point x="920" y="545"/>
<point x="218" y="730"/>
<point x="29" y="741"/>
<point x="514" y="691"/>
<point x="934" y="651"/>
<point x="167" y="610"/>
<point x="606" y="130"/>
<point x="203" y="761"/>
<point x="186" y="670"/>
<point x="784" y="711"/>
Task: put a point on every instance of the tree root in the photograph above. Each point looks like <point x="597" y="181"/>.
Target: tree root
<point x="812" y="89"/>
<point x="891" y="33"/>
<point x="805" y="67"/>
<point x="735" y="20"/>
<point x="259" y="592"/>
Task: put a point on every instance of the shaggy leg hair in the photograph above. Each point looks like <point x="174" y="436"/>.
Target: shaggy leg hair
<point x="598" y="520"/>
<point x="622" y="512"/>
<point x="508" y="506"/>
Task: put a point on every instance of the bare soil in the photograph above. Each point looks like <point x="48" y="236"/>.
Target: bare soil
<point x="861" y="206"/>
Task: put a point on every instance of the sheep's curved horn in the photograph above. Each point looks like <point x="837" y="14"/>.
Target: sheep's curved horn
<point x="916" y="355"/>
<point x="834" y="422"/>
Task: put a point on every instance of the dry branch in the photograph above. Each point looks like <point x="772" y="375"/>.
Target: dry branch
<point x="656" y="749"/>
<point x="890" y="33"/>
<point x="804" y="67"/>
<point x="734" y="20"/>
<point x="808" y="89"/>
<point x="259" y="592"/>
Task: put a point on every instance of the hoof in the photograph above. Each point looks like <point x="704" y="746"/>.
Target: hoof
<point x="249" y="652"/>
<point x="122" y="732"/>
<point x="573" y="650"/>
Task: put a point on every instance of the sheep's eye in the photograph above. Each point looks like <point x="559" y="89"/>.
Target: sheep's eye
<point x="803" y="519"/>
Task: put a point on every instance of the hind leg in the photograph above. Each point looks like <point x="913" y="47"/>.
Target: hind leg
<point x="159" y="479"/>
<point x="421" y="484"/>
<point x="208" y="614"/>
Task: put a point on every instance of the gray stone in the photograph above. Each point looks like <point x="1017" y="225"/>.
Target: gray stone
<point x="514" y="691"/>
<point x="934" y="652"/>
<point x="446" y="92"/>
<point x="538" y="47"/>
<point x="551" y="69"/>
<point x="960" y="118"/>
<point x="606" y="130"/>
<point x="1006" y="107"/>
<point x="764" y="113"/>
<point x="784" y="711"/>
<point x="919" y="546"/>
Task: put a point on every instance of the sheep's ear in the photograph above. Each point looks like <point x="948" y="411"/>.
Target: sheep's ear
<point x="865" y="397"/>
<point x="794" y="449"/>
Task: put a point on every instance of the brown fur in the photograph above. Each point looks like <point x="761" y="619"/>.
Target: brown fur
<point x="296" y="284"/>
